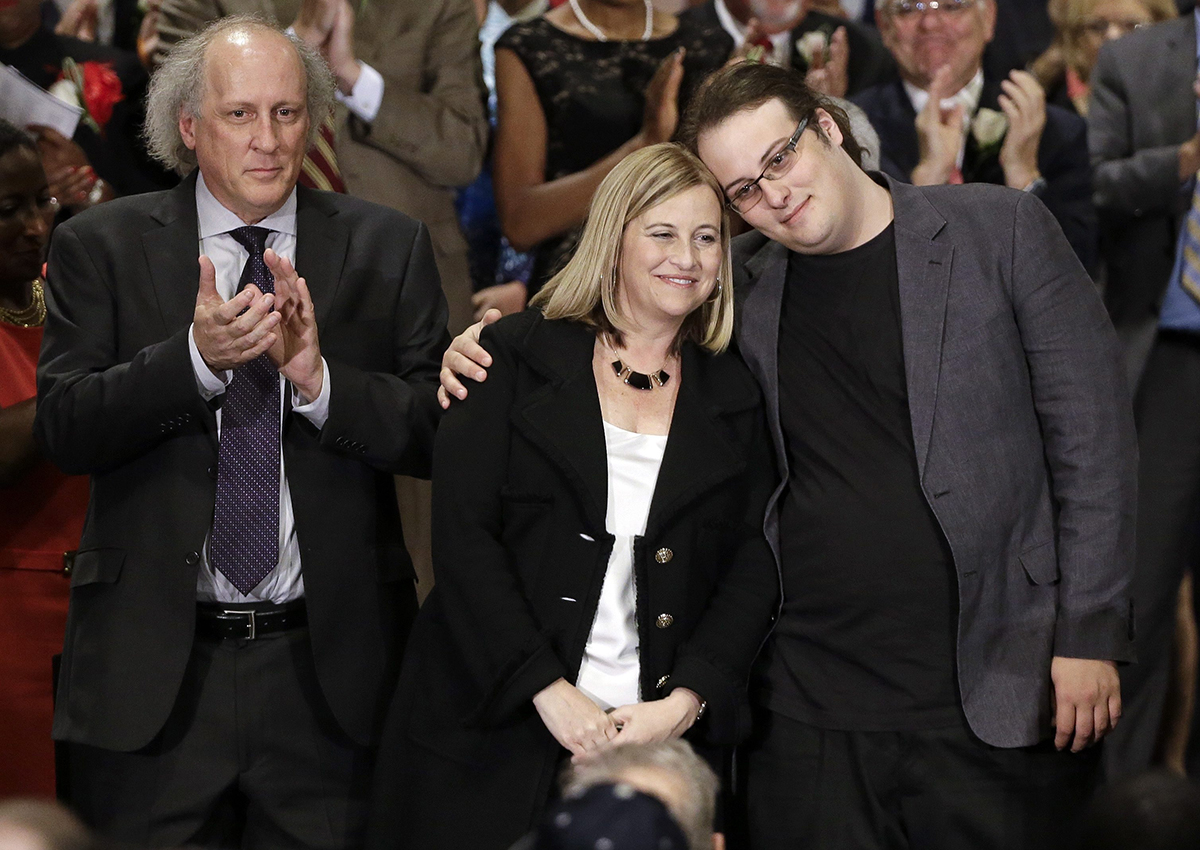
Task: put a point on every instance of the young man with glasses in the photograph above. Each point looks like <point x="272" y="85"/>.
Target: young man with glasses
<point x="946" y="121"/>
<point x="955" y="524"/>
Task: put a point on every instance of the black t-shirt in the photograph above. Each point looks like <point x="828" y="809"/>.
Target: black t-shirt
<point x="866" y="639"/>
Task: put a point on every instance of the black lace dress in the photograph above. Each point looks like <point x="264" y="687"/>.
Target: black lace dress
<point x="593" y="93"/>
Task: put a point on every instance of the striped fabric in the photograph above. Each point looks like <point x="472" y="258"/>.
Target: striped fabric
<point x="320" y="168"/>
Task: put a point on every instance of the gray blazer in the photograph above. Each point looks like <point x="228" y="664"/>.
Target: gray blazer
<point x="1023" y="432"/>
<point x="1142" y="108"/>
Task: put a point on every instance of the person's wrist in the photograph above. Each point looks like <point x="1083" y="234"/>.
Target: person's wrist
<point x="1021" y="176"/>
<point x="347" y="75"/>
<point x="930" y="173"/>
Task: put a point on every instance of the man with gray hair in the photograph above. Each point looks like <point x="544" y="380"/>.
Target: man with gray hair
<point x="670" y="771"/>
<point x="241" y="594"/>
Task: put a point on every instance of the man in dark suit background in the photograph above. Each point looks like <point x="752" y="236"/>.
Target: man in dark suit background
<point x="242" y="591"/>
<point x="944" y="121"/>
<point x="1145" y="148"/>
<point x="793" y="34"/>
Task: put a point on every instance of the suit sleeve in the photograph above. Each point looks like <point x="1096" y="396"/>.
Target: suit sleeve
<point x="509" y="656"/>
<point x="440" y="131"/>
<point x="389" y="418"/>
<point x="1126" y="180"/>
<point x="1063" y="159"/>
<point x="179" y="19"/>
<point x="95" y="412"/>
<point x="1086" y="418"/>
<point x="715" y="662"/>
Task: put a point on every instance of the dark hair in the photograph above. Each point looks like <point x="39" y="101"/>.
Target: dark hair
<point x="1156" y="810"/>
<point x="748" y="85"/>
<point x="12" y="138"/>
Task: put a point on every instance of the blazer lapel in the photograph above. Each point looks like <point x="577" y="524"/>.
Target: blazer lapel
<point x="924" y="270"/>
<point x="322" y="245"/>
<point x="563" y="417"/>
<point x="698" y="456"/>
<point x="171" y="253"/>
<point x="758" y="328"/>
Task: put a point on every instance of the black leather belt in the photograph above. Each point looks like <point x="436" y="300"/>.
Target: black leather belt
<point x="248" y="622"/>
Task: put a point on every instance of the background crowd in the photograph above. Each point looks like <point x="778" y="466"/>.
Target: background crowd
<point x="494" y="123"/>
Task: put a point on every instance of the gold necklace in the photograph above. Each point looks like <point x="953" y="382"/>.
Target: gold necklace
<point x="32" y="316"/>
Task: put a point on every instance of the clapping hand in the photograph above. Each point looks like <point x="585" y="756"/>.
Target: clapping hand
<point x="296" y="351"/>
<point x="661" y="114"/>
<point x="939" y="134"/>
<point x="1024" y="104"/>
<point x="231" y="333"/>
<point x="831" y="75"/>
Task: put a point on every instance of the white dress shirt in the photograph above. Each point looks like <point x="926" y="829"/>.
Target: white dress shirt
<point x="285" y="583"/>
<point x="781" y="42"/>
<point x="967" y="97"/>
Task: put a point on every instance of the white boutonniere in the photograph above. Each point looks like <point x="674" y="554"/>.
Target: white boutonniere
<point x="66" y="91"/>
<point x="812" y="44"/>
<point x="988" y="127"/>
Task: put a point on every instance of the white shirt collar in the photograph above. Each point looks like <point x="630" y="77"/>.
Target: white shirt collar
<point x="737" y="29"/>
<point x="214" y="218"/>
<point x="968" y="96"/>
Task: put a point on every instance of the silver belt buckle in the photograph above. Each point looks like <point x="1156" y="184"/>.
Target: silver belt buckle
<point x="251" y="624"/>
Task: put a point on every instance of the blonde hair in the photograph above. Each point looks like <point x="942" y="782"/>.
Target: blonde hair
<point x="1069" y="18"/>
<point x="586" y="289"/>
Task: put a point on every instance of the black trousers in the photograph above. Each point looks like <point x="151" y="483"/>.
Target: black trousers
<point x="250" y="757"/>
<point x="1167" y="409"/>
<point x="804" y="788"/>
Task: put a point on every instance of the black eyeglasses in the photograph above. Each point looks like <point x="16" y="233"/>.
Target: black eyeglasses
<point x="745" y="198"/>
<point x="912" y="8"/>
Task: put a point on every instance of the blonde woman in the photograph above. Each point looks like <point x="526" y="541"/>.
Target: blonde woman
<point x="602" y="576"/>
<point x="1081" y="29"/>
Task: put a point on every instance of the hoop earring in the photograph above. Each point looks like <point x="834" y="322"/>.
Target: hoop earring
<point x="716" y="295"/>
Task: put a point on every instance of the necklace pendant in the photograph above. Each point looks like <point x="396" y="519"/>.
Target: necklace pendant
<point x="640" y="380"/>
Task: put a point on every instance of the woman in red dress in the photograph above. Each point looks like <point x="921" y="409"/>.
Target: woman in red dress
<point x="41" y="510"/>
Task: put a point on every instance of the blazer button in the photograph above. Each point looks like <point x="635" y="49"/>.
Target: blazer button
<point x="212" y="472"/>
<point x="663" y="555"/>
<point x="664" y="621"/>
<point x="192" y="558"/>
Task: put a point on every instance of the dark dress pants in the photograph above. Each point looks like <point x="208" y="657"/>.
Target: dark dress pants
<point x="941" y="789"/>
<point x="250" y="757"/>
<point x="1167" y="409"/>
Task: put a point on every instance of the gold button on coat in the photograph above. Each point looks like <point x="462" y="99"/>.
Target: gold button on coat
<point x="663" y="555"/>
<point x="664" y="620"/>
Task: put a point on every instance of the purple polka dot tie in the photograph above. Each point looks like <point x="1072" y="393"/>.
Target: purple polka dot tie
<point x="245" y="535"/>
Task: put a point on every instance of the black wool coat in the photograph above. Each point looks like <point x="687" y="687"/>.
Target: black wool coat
<point x="520" y="552"/>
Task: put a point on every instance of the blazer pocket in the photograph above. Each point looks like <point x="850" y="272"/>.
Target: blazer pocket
<point x="101" y="565"/>
<point x="1041" y="563"/>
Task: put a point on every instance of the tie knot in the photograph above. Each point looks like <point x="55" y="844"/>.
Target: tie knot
<point x="253" y="239"/>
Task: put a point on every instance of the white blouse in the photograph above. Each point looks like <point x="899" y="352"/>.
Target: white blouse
<point x="609" y="672"/>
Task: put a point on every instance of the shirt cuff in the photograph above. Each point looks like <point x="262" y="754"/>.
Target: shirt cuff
<point x="209" y="385"/>
<point x="366" y="97"/>
<point x="317" y="410"/>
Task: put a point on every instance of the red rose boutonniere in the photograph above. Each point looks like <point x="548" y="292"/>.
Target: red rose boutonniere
<point x="93" y="86"/>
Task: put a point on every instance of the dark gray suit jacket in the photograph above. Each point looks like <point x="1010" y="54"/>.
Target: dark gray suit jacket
<point x="117" y="400"/>
<point x="1142" y="109"/>
<point x="1023" y="433"/>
